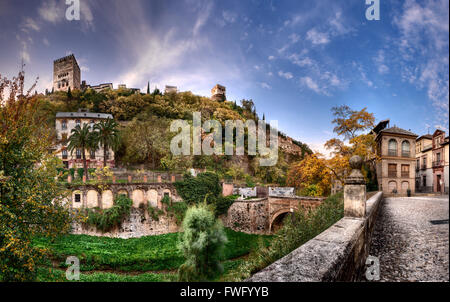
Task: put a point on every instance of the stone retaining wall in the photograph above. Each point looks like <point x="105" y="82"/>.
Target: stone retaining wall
<point x="337" y="254"/>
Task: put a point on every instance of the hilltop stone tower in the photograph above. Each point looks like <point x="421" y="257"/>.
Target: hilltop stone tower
<point x="66" y="73"/>
<point x="218" y="93"/>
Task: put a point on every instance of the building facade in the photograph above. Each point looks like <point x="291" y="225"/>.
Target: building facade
<point x="65" y="122"/>
<point x="424" y="159"/>
<point x="397" y="165"/>
<point x="170" y="89"/>
<point x="439" y="177"/>
<point x="66" y="73"/>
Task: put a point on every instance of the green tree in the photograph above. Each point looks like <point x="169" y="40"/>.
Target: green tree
<point x="81" y="138"/>
<point x="148" y="87"/>
<point x="202" y="243"/>
<point x="146" y="140"/>
<point x="69" y="94"/>
<point x="106" y="134"/>
<point x="30" y="199"/>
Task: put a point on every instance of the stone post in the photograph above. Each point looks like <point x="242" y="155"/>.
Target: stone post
<point x="173" y="178"/>
<point x="159" y="178"/>
<point x="114" y="179"/>
<point x="129" y="178"/>
<point x="145" y="178"/>
<point x="69" y="178"/>
<point x="355" y="190"/>
<point x="84" y="178"/>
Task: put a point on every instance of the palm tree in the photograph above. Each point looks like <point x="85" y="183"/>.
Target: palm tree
<point x="81" y="138"/>
<point x="106" y="134"/>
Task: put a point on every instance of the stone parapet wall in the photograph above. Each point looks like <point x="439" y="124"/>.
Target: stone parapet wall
<point x="337" y="254"/>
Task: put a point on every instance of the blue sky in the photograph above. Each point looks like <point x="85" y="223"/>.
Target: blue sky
<point x="295" y="59"/>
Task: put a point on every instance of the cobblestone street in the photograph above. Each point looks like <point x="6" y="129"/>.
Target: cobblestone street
<point x="409" y="246"/>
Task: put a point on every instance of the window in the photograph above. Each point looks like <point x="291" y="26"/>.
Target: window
<point x="64" y="154"/>
<point x="66" y="164"/>
<point x="405" y="170"/>
<point x="107" y="154"/>
<point x="392" y="147"/>
<point x="64" y="125"/>
<point x="78" y="122"/>
<point x="438" y="157"/>
<point x="392" y="170"/>
<point x="424" y="181"/>
<point x="405" y="149"/>
<point x="424" y="162"/>
<point x="92" y="154"/>
<point x="78" y="153"/>
<point x="77" y="197"/>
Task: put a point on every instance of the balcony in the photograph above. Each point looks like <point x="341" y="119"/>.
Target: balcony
<point x="392" y="152"/>
<point x="405" y="174"/>
<point x="423" y="167"/>
<point x="417" y="168"/>
<point x="392" y="174"/>
<point x="438" y="163"/>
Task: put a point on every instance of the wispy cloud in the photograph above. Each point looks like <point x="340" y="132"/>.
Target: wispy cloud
<point x="286" y="75"/>
<point x="317" y="37"/>
<point x="423" y="46"/>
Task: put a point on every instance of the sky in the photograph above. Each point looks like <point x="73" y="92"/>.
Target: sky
<point x="294" y="59"/>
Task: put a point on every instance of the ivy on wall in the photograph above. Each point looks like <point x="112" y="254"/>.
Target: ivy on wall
<point x="204" y="187"/>
<point x="105" y="220"/>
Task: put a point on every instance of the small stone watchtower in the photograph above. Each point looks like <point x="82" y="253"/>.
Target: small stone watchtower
<point x="218" y="93"/>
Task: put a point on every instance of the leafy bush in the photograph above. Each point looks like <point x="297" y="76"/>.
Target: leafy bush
<point x="154" y="213"/>
<point x="105" y="220"/>
<point x="202" y="243"/>
<point x="72" y="172"/>
<point x="195" y="189"/>
<point x="177" y="210"/>
<point x="204" y="187"/>
<point x="80" y="172"/>
<point x="223" y="203"/>
<point x="300" y="227"/>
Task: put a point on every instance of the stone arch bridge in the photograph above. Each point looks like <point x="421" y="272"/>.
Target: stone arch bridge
<point x="265" y="215"/>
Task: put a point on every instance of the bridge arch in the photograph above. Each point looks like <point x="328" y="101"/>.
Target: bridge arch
<point x="277" y="218"/>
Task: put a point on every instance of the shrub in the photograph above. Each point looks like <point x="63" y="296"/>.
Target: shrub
<point x="223" y="203"/>
<point x="72" y="172"/>
<point x="105" y="220"/>
<point x="204" y="187"/>
<point x="202" y="243"/>
<point x="154" y="213"/>
<point x="177" y="210"/>
<point x="195" y="189"/>
<point x="80" y="172"/>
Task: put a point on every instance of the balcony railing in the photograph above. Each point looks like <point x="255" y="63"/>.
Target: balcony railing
<point x="392" y="152"/>
<point x="406" y="154"/>
<point x="405" y="174"/>
<point x="438" y="163"/>
<point x="392" y="173"/>
<point x="423" y="167"/>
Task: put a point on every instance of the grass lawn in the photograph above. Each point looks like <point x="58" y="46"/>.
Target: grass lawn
<point x="150" y="258"/>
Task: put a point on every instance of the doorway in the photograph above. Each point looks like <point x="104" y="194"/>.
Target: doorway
<point x="438" y="183"/>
